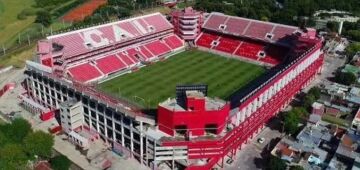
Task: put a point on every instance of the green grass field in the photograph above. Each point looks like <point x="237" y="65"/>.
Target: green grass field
<point x="153" y="84"/>
<point x="10" y="26"/>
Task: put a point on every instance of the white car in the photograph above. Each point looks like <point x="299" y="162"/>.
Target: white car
<point x="261" y="140"/>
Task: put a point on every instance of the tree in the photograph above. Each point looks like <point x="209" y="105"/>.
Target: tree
<point x="17" y="130"/>
<point x="3" y="139"/>
<point x="309" y="99"/>
<point x="352" y="49"/>
<point x="12" y="157"/>
<point x="315" y="91"/>
<point x="346" y="78"/>
<point x="291" y="121"/>
<point x="43" y="17"/>
<point x="300" y="111"/>
<point x="276" y="163"/>
<point x="296" y="167"/>
<point x="60" y="162"/>
<point x="39" y="143"/>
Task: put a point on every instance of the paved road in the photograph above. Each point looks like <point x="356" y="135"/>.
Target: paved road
<point x="254" y="154"/>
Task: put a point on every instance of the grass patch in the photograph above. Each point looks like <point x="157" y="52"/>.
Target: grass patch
<point x="18" y="59"/>
<point x="157" y="82"/>
<point x="10" y="25"/>
<point x="335" y="120"/>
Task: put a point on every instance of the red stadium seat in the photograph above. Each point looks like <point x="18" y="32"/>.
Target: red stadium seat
<point x="146" y="52"/>
<point x="236" y="25"/>
<point x="84" y="72"/>
<point x="214" y="21"/>
<point x="127" y="60"/>
<point x="281" y="31"/>
<point x="110" y="64"/>
<point x="206" y="39"/>
<point x="157" y="48"/>
<point x="259" y="29"/>
<point x="249" y="50"/>
<point x="227" y="45"/>
<point x="158" y="22"/>
<point x="173" y="41"/>
<point x="134" y="54"/>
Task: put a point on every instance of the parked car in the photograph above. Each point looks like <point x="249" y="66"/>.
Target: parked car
<point x="261" y="140"/>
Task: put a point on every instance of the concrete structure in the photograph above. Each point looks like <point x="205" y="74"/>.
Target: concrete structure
<point x="197" y="115"/>
<point x="126" y="126"/>
<point x="187" y="23"/>
<point x="355" y="124"/>
<point x="71" y="115"/>
<point x="334" y="16"/>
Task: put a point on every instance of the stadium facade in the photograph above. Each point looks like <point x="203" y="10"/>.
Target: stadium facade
<point x="68" y="65"/>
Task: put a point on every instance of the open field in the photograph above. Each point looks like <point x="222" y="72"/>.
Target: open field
<point x="18" y="59"/>
<point x="153" y="84"/>
<point x="9" y="24"/>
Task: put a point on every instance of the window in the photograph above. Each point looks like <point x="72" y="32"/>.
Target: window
<point x="215" y="43"/>
<point x="211" y="128"/>
<point x="262" y="54"/>
<point x="181" y="129"/>
<point x="222" y="26"/>
<point x="269" y="36"/>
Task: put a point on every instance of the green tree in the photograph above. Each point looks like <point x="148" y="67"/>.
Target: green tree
<point x="332" y="26"/>
<point x="60" y="162"/>
<point x="315" y="91"/>
<point x="291" y="121"/>
<point x="43" y="17"/>
<point x="276" y="163"/>
<point x="309" y="99"/>
<point x="12" y="156"/>
<point x="3" y="139"/>
<point x="352" y="49"/>
<point x="301" y="111"/>
<point x="353" y="35"/>
<point x="346" y="78"/>
<point x="296" y="167"/>
<point x="39" y="143"/>
<point x="17" y="130"/>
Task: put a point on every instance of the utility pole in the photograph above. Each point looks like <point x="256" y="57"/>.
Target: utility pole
<point x="28" y="39"/>
<point x="4" y="49"/>
<point x="19" y="38"/>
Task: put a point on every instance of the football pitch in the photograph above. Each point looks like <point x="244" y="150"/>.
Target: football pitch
<point x="155" y="83"/>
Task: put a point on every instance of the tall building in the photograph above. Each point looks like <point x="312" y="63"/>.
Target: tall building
<point x="187" y="23"/>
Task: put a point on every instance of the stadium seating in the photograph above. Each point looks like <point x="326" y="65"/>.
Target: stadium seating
<point x="110" y="64"/>
<point x="249" y="50"/>
<point x="206" y="39"/>
<point x="158" y="22"/>
<point x="127" y="60"/>
<point x="243" y="27"/>
<point x="84" y="72"/>
<point x="227" y="45"/>
<point x="157" y="48"/>
<point x="214" y="21"/>
<point x="146" y="53"/>
<point x="236" y="26"/>
<point x="133" y="53"/>
<point x="281" y="31"/>
<point x="76" y="47"/>
<point x="74" y="44"/>
<point x="173" y="41"/>
<point x="129" y="28"/>
<point x="259" y="29"/>
<point x="274" y="54"/>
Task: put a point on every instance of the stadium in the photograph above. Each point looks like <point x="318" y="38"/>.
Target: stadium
<point x="185" y="93"/>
